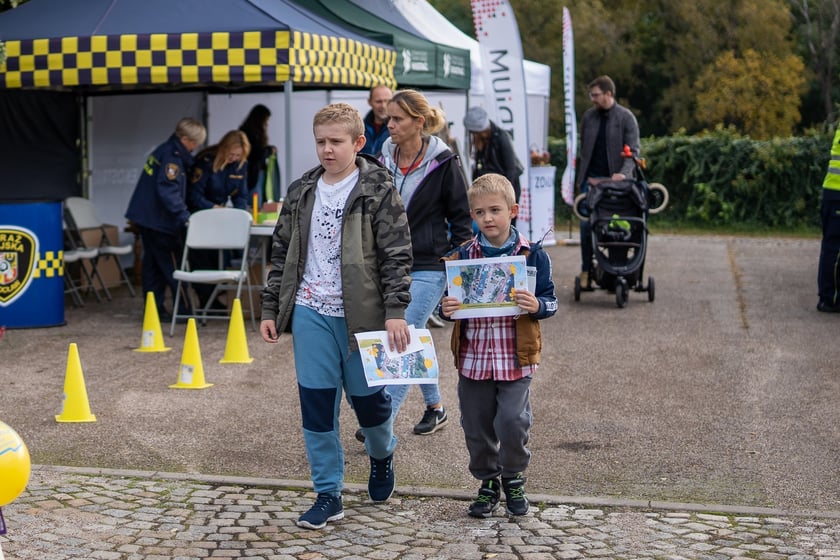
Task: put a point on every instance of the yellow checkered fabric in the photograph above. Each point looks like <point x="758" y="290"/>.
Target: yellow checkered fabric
<point x="50" y="265"/>
<point x="252" y="57"/>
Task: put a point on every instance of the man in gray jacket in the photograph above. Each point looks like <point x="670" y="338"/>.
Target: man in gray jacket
<point x="605" y="129"/>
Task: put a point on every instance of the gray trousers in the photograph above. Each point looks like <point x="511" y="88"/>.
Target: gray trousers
<point x="496" y="418"/>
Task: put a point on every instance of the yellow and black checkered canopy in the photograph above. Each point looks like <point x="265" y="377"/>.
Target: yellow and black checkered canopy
<point x="222" y="52"/>
<point x="223" y="58"/>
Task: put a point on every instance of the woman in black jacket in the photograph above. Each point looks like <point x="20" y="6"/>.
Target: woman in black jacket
<point x="492" y="149"/>
<point x="430" y="181"/>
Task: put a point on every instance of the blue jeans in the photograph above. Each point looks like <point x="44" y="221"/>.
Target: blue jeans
<point x="427" y="287"/>
<point x="321" y="376"/>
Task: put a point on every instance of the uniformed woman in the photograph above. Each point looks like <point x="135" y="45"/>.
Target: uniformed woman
<point x="219" y="179"/>
<point x="220" y="173"/>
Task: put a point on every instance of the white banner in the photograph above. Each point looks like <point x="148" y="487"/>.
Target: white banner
<point x="541" y="190"/>
<point x="567" y="183"/>
<point x="504" y="77"/>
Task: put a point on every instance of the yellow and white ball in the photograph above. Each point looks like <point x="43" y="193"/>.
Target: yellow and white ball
<point x="15" y="465"/>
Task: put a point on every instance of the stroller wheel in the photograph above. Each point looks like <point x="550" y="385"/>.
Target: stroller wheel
<point x="651" y="289"/>
<point x="577" y="288"/>
<point x="580" y="208"/>
<point x="621" y="292"/>
<point x="657" y="197"/>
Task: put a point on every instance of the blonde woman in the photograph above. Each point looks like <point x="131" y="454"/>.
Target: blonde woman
<point x="221" y="173"/>
<point x="430" y="181"/>
<point x="219" y="178"/>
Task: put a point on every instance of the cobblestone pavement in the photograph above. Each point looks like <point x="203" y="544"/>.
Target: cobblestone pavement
<point x="110" y="515"/>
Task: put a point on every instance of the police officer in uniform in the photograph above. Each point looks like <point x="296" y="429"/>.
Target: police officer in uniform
<point x="219" y="178"/>
<point x="220" y="174"/>
<point x="158" y="208"/>
<point x="829" y="270"/>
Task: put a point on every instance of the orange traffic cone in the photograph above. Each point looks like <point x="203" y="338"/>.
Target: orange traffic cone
<point x="236" y="349"/>
<point x="191" y="375"/>
<point x="76" y="406"/>
<point x="152" y="339"/>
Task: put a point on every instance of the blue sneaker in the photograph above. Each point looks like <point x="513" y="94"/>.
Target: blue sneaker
<point x="487" y="501"/>
<point x="382" y="480"/>
<point x="516" y="502"/>
<point x="326" y="508"/>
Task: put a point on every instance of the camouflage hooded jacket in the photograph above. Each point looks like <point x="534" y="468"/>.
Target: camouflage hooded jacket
<point x="375" y="251"/>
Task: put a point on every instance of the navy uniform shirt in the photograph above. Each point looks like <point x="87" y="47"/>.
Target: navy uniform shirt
<point x="208" y="189"/>
<point x="159" y="199"/>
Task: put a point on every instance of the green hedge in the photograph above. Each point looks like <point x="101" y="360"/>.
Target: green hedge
<point x="723" y="179"/>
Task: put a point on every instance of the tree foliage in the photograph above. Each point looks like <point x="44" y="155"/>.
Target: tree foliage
<point x="659" y="51"/>
<point x="7" y="5"/>
<point x="817" y="27"/>
<point x="759" y="95"/>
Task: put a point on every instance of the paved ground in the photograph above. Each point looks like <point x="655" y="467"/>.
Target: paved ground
<point x="703" y="425"/>
<point x="73" y="514"/>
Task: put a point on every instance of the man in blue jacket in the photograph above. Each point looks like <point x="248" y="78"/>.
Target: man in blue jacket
<point x="376" y="121"/>
<point x="158" y="208"/>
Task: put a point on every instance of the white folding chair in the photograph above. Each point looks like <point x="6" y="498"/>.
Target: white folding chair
<point x="70" y="287"/>
<point x="88" y="267"/>
<point x="80" y="214"/>
<point x="219" y="229"/>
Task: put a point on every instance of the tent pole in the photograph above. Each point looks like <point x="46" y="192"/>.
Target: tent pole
<point x="287" y="91"/>
<point x="86" y="135"/>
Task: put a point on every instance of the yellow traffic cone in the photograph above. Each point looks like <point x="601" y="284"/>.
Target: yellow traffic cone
<point x="152" y="339"/>
<point x="191" y="375"/>
<point x="236" y="349"/>
<point x="76" y="407"/>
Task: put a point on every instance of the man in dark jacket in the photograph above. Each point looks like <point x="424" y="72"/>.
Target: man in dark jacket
<point x="158" y="208"/>
<point x="492" y="149"/>
<point x="376" y="121"/>
<point x="605" y="129"/>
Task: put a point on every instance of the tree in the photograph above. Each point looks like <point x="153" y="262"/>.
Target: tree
<point x="7" y="5"/>
<point x="818" y="28"/>
<point x="758" y="94"/>
<point x="656" y="50"/>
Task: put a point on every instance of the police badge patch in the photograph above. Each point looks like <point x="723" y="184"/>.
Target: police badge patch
<point x="172" y="171"/>
<point x="18" y="255"/>
<point x="196" y="177"/>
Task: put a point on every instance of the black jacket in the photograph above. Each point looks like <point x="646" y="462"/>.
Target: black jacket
<point x="498" y="156"/>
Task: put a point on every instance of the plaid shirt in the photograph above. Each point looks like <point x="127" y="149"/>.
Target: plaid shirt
<point x="489" y="351"/>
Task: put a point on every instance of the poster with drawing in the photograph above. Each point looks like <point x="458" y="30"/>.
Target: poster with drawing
<point x="485" y="287"/>
<point x="418" y="364"/>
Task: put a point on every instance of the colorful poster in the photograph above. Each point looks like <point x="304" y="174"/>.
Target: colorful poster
<point x="418" y="364"/>
<point x="486" y="287"/>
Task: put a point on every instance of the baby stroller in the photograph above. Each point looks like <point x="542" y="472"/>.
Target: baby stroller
<point x="617" y="212"/>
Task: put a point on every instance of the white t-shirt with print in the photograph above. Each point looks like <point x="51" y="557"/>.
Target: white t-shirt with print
<point x="320" y="288"/>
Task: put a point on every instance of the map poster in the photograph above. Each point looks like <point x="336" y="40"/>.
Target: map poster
<point x="385" y="368"/>
<point x="485" y="287"/>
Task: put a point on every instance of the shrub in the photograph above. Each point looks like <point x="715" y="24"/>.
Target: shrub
<point x="724" y="179"/>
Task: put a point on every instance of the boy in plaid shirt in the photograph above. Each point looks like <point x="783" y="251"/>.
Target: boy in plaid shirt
<point x="496" y="356"/>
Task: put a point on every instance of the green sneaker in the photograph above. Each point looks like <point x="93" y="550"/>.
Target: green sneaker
<point x="487" y="501"/>
<point x="516" y="502"/>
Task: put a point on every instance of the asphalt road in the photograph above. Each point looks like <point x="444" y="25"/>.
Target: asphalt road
<point x="724" y="390"/>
